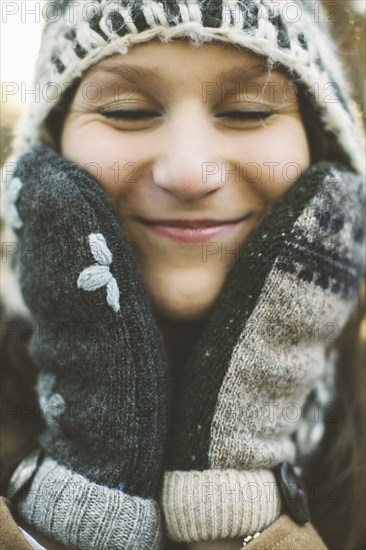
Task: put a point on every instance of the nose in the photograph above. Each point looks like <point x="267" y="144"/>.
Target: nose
<point x="187" y="161"/>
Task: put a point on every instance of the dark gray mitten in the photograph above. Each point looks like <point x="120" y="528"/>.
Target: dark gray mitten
<point x="102" y="367"/>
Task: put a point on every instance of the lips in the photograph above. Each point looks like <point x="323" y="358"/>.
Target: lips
<point x="192" y="230"/>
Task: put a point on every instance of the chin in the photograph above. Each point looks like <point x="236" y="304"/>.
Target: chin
<point x="181" y="311"/>
<point x="183" y="297"/>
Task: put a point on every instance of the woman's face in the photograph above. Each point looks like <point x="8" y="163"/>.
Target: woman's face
<point x="194" y="146"/>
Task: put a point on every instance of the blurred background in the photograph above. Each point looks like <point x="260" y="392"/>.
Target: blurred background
<point x="21" y="23"/>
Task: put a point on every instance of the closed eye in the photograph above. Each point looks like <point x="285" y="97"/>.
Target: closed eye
<point x="246" y="115"/>
<point x="129" y="114"/>
<point x="138" y="115"/>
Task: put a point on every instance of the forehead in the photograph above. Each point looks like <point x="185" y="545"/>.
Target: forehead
<point x="181" y="60"/>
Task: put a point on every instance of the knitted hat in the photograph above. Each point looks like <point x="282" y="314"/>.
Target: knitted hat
<point x="292" y="35"/>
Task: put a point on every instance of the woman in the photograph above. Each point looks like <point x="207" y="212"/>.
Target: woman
<point x="210" y="140"/>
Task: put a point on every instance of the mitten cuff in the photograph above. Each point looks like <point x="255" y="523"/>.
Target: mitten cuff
<point x="218" y="504"/>
<point x="83" y="515"/>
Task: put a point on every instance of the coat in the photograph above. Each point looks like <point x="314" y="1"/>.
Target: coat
<point x="283" y="534"/>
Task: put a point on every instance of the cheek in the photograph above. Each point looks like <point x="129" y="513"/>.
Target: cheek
<point x="101" y="151"/>
<point x="277" y="159"/>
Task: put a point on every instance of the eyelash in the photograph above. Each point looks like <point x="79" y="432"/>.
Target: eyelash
<point x="246" y="115"/>
<point x="129" y="114"/>
<point x="135" y="115"/>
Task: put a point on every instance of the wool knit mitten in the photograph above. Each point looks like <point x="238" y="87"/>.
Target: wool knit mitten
<point x="102" y="369"/>
<point x="263" y="349"/>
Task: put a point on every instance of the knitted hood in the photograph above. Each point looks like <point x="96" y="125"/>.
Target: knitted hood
<point x="292" y="35"/>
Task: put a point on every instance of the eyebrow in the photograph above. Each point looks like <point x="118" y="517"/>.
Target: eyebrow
<point x="130" y="73"/>
<point x="243" y="73"/>
<point x="133" y="73"/>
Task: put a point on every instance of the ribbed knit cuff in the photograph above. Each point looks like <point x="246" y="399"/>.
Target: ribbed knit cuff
<point x="218" y="504"/>
<point x="83" y="515"/>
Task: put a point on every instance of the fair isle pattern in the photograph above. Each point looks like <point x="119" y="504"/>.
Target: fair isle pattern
<point x="283" y="345"/>
<point x="332" y="231"/>
<point x="81" y="34"/>
<point x="268" y="348"/>
<point x="321" y="400"/>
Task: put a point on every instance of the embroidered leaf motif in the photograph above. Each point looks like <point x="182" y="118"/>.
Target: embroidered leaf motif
<point x="99" y="275"/>
<point x="99" y="249"/>
<point x="94" y="277"/>
<point x="113" y="294"/>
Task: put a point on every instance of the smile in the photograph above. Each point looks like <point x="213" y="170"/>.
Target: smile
<point x="192" y="231"/>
